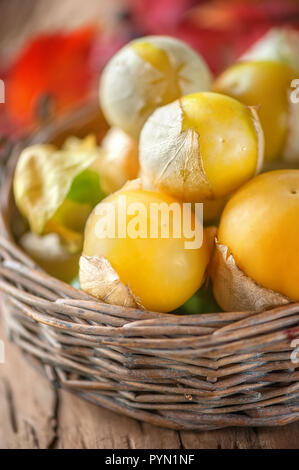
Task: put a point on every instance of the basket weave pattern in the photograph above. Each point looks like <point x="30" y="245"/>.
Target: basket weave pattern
<point x="193" y="372"/>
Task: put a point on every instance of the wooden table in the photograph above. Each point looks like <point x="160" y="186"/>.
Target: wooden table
<point x="35" y="415"/>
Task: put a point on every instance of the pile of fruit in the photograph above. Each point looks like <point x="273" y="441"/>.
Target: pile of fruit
<point x="184" y="143"/>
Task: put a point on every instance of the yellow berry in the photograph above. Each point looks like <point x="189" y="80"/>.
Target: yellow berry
<point x="260" y="227"/>
<point x="265" y="84"/>
<point x="162" y="273"/>
<point x="119" y="162"/>
<point x="147" y="73"/>
<point x="200" y="147"/>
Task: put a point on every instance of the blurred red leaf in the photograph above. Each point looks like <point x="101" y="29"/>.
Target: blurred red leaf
<point x="158" y="16"/>
<point x="220" y="30"/>
<point x="53" y="65"/>
<point x="62" y="69"/>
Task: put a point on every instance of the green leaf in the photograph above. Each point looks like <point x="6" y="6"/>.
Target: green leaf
<point x="86" y="188"/>
<point x="45" y="176"/>
<point x="202" y="301"/>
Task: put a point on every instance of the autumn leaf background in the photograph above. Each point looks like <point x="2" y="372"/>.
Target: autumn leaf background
<point x="52" y="53"/>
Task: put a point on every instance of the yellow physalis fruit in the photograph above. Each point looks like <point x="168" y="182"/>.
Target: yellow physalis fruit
<point x="147" y="73"/>
<point x="139" y="252"/>
<point x="256" y="261"/>
<point x="268" y="86"/>
<point x="200" y="147"/>
<point x="119" y="162"/>
<point x="56" y="190"/>
<point x="51" y="255"/>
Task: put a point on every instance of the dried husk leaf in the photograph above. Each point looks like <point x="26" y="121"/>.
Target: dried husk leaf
<point x="99" y="279"/>
<point x="170" y="157"/>
<point x="234" y="290"/>
<point x="44" y="176"/>
<point x="194" y="73"/>
<point x="127" y="96"/>
<point x="47" y="247"/>
<point x="212" y="209"/>
<point x="131" y="88"/>
<point x="290" y="152"/>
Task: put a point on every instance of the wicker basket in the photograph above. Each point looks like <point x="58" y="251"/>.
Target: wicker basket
<point x="194" y="372"/>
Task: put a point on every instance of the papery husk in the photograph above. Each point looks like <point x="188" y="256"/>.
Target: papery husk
<point x="290" y="152"/>
<point x="133" y="184"/>
<point x="212" y="209"/>
<point x="170" y="157"/>
<point x="279" y="44"/>
<point x="234" y="290"/>
<point x="131" y="88"/>
<point x="99" y="279"/>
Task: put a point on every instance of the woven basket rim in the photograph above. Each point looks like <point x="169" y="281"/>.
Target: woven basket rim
<point x="231" y="368"/>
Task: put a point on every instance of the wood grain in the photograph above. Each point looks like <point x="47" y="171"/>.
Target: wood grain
<point x="33" y="414"/>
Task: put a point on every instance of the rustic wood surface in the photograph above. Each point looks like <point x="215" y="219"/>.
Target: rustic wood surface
<point x="32" y="413"/>
<point x="35" y="415"/>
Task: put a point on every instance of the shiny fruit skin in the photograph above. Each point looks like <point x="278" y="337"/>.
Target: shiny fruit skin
<point x="227" y="139"/>
<point x="265" y="84"/>
<point x="260" y="226"/>
<point x="161" y="273"/>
